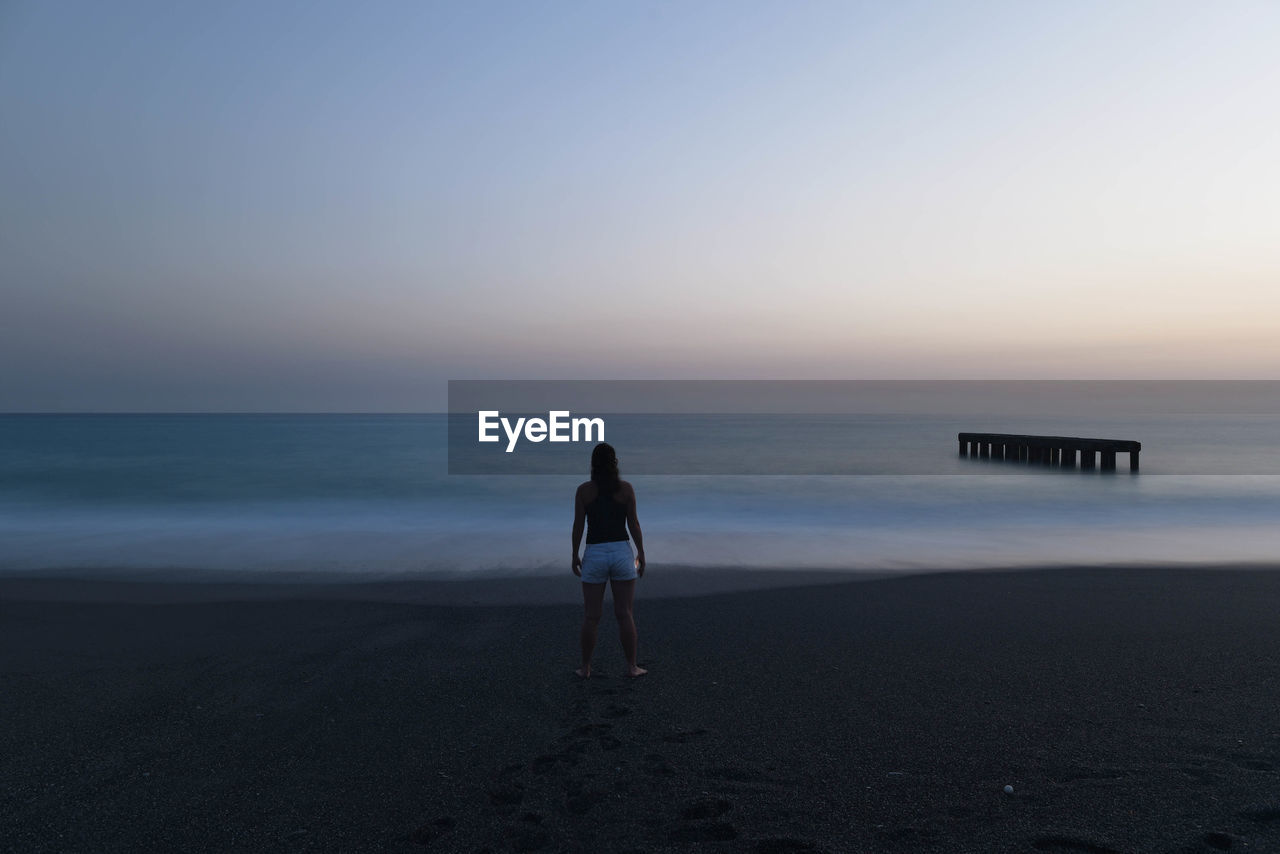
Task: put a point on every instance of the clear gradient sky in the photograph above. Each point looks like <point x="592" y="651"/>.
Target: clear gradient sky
<point x="315" y="206"/>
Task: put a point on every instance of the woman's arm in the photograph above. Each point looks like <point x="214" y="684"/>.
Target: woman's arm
<point x="633" y="524"/>
<point x="579" y="522"/>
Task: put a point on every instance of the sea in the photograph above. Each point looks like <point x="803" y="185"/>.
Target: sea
<point x="335" y="495"/>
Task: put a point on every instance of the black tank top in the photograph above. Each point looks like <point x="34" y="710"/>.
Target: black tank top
<point x="606" y="520"/>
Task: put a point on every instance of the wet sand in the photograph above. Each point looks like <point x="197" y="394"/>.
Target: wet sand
<point x="1132" y="710"/>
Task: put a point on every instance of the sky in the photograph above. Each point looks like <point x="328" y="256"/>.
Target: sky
<point x="330" y="207"/>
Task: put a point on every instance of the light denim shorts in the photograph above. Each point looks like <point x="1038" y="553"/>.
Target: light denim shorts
<point x="602" y="561"/>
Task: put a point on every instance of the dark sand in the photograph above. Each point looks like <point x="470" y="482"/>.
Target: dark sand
<point x="1131" y="710"/>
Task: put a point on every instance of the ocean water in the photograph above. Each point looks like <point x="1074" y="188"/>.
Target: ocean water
<point x="371" y="494"/>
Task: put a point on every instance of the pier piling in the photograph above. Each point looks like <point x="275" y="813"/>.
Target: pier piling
<point x="1050" y="451"/>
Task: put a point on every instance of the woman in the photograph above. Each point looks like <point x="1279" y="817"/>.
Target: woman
<point x="607" y="504"/>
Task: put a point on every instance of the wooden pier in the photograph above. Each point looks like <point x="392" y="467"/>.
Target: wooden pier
<point x="1050" y="451"/>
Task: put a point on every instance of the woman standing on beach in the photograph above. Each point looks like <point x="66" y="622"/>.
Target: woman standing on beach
<point x="607" y="505"/>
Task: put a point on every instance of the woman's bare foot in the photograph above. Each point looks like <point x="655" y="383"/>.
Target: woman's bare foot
<point x="636" y="671"/>
<point x="584" y="672"/>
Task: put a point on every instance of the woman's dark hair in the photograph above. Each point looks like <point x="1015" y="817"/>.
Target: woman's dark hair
<point x="604" y="469"/>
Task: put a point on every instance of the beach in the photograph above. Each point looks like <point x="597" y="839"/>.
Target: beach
<point x="1130" y="710"/>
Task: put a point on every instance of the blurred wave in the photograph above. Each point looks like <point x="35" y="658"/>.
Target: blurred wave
<point x="370" y="494"/>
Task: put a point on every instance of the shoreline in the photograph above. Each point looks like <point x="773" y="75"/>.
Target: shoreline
<point x="178" y="587"/>
<point x="1131" y="710"/>
<point x="181" y="586"/>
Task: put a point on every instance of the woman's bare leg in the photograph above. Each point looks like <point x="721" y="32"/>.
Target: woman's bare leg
<point x="593" y="604"/>
<point x="624" y="594"/>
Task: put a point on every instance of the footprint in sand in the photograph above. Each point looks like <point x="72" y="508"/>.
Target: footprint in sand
<point x="582" y="803"/>
<point x="1203" y="776"/>
<point x="719" y="831"/>
<point x="506" y="795"/>
<point x="1071" y="843"/>
<point x="551" y="761"/>
<point x="528" y="838"/>
<point x="684" y="736"/>
<point x="705" y="808"/>
<point x="785" y="846"/>
<point x="433" y="830"/>
<point x="1262" y="813"/>
<point x="657" y="765"/>
<point x="733" y="775"/>
<point x="1250" y="763"/>
<point x="1219" y="841"/>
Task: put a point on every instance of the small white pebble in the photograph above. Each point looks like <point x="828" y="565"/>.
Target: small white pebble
<point x="1008" y="790"/>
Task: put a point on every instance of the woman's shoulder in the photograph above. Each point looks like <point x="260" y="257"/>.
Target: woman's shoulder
<point x="626" y="487"/>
